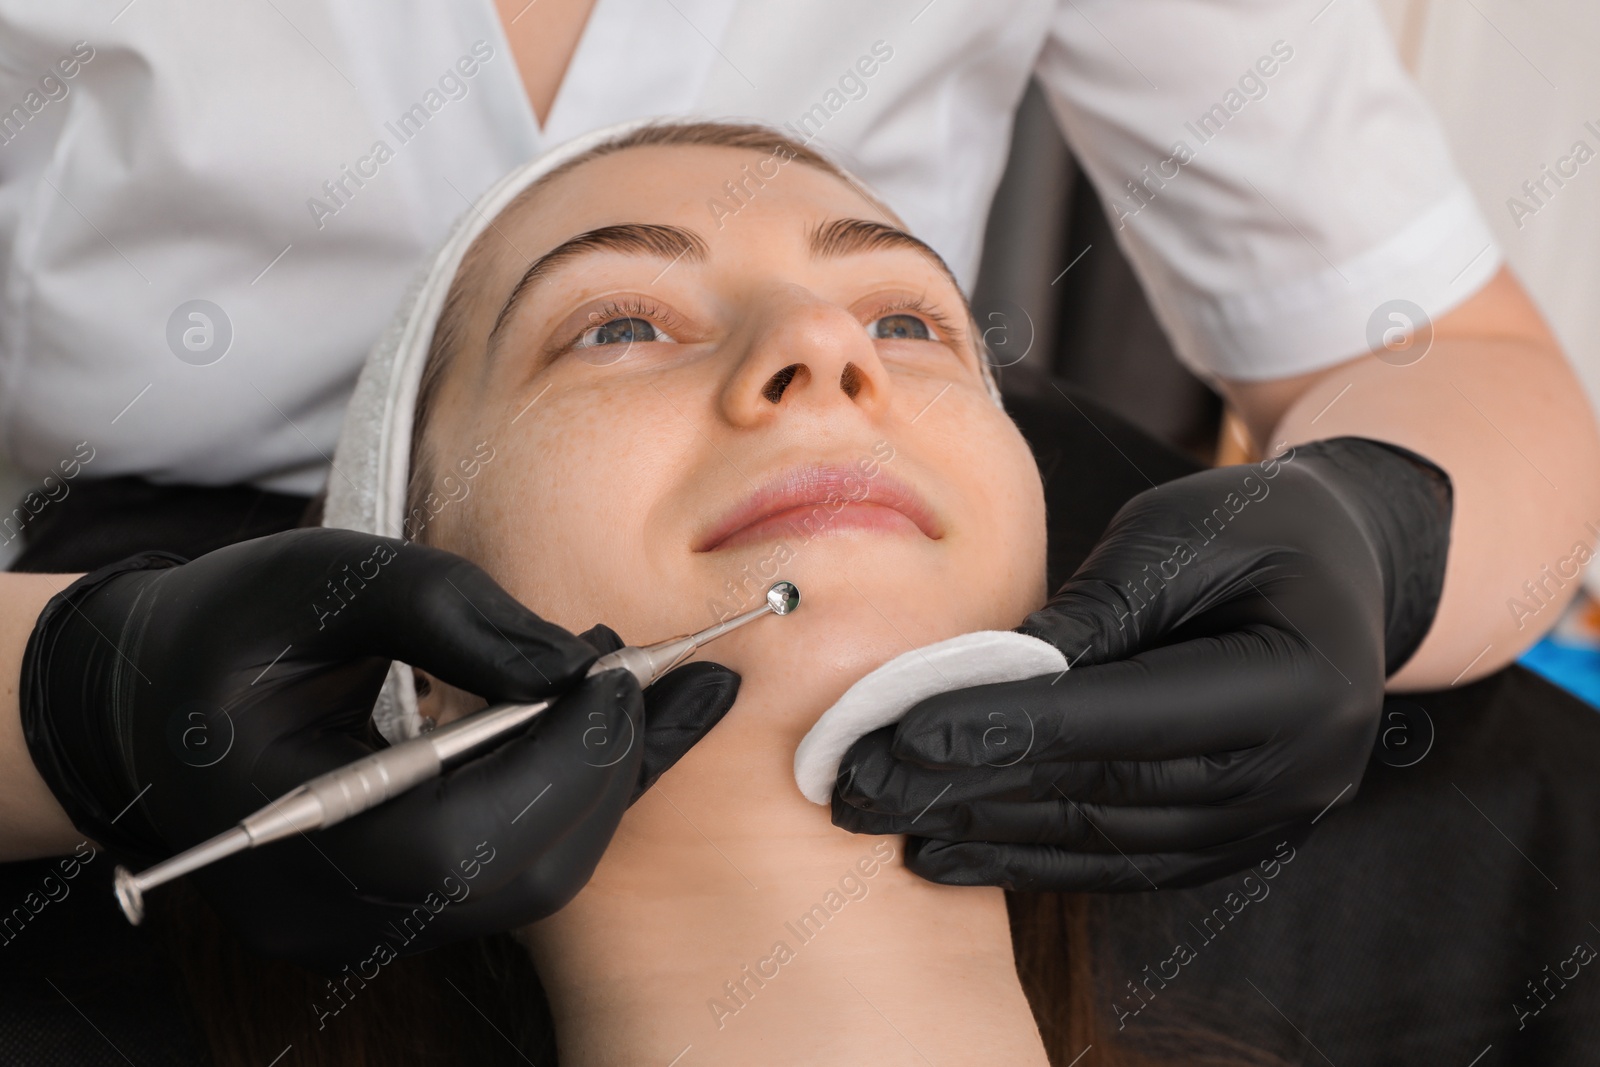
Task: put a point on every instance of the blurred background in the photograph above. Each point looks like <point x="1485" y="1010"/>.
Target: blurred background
<point x="1514" y="84"/>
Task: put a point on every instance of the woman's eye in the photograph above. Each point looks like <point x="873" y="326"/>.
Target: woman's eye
<point x="623" y="331"/>
<point x="899" y="327"/>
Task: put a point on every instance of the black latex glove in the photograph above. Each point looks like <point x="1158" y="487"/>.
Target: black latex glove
<point x="1229" y="639"/>
<point x="163" y="701"/>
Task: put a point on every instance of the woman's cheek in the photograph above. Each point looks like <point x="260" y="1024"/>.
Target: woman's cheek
<point x="571" y="522"/>
<point x="509" y="525"/>
<point x="1010" y="498"/>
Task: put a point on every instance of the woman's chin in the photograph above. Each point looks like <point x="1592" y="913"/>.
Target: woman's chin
<point x="859" y="609"/>
<point x="893" y="570"/>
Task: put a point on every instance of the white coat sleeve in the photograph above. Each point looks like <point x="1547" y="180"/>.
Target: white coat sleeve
<point x="1270" y="170"/>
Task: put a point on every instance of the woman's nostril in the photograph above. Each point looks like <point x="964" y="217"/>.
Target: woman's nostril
<point x="776" y="384"/>
<point x="850" y="380"/>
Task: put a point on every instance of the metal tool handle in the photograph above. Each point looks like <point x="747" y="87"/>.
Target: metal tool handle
<point x="357" y="787"/>
<point x="370" y="781"/>
<point x="335" y="796"/>
<point x="498" y="720"/>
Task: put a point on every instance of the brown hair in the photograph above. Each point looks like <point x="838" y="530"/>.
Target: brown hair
<point x="1061" y="945"/>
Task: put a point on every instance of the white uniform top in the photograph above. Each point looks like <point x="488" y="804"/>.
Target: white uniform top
<point x="1275" y="176"/>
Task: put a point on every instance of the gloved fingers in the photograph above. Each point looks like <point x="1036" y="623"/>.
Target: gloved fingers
<point x="310" y="903"/>
<point x="1180" y="700"/>
<point x="1090" y="621"/>
<point x="1047" y="868"/>
<point x="487" y="899"/>
<point x="1071" y="824"/>
<point x="1131" y="591"/>
<point x="540" y="888"/>
<point x="602" y="637"/>
<point x="681" y="707"/>
<point x="872" y="780"/>
<point x="1215" y="778"/>
<point x="445" y="615"/>
<point x="522" y="796"/>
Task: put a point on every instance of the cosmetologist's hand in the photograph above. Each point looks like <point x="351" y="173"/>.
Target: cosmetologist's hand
<point x="164" y="700"/>
<point x="1229" y="639"/>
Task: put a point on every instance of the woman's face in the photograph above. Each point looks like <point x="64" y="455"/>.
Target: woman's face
<point x="724" y="393"/>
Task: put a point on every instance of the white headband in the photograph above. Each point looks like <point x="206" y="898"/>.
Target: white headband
<point x="372" y="463"/>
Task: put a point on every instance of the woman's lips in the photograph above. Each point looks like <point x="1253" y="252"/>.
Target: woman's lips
<point x="808" y="500"/>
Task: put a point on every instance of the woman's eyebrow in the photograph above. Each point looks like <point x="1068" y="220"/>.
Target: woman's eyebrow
<point x="635" y="238"/>
<point x="848" y="237"/>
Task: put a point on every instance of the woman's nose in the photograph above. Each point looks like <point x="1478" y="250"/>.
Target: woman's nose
<point x="806" y="352"/>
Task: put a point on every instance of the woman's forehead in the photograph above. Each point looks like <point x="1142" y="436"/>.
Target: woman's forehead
<point x="706" y="189"/>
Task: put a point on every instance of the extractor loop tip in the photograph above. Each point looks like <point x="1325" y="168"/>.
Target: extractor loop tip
<point x="783" y="598"/>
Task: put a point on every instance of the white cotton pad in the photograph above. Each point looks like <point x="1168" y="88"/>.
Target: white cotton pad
<point x="885" y="695"/>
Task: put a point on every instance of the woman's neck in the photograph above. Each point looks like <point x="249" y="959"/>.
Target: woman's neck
<point x="731" y="922"/>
